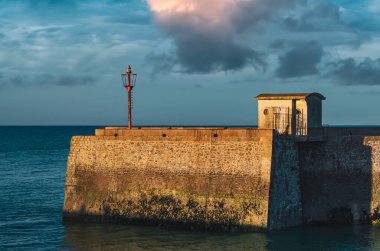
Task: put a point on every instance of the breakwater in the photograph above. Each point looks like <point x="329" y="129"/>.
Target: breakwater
<point x="222" y="178"/>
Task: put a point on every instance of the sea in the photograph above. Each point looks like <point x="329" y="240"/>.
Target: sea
<point x="32" y="180"/>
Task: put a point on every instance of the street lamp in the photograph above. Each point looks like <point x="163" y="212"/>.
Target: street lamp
<point x="129" y="81"/>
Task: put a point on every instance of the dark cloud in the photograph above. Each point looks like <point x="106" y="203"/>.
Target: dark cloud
<point x="295" y="24"/>
<point x="197" y="53"/>
<point x="319" y="17"/>
<point x="74" y="80"/>
<point x="19" y="80"/>
<point x="42" y="4"/>
<point x="352" y="72"/>
<point x="206" y="40"/>
<point x="160" y="63"/>
<point x="278" y="44"/>
<point x="323" y="10"/>
<point x="201" y="55"/>
<point x="249" y="13"/>
<point x="205" y="57"/>
<point x="301" y="60"/>
<point x="44" y="80"/>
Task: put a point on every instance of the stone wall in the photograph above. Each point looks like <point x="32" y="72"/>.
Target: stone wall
<point x="285" y="209"/>
<point x="209" y="179"/>
<point x="223" y="178"/>
<point x="340" y="177"/>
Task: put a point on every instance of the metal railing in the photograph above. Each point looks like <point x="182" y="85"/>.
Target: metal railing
<point x="301" y="126"/>
<point x="280" y="119"/>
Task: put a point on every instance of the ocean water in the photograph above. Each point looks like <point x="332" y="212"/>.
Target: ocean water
<point x="32" y="179"/>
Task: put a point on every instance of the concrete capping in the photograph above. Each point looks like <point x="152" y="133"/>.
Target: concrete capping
<point x="183" y="134"/>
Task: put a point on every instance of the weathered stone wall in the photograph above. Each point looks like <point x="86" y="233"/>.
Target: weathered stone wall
<point x="340" y="177"/>
<point x="223" y="179"/>
<point x="199" y="178"/>
<point x="285" y="209"/>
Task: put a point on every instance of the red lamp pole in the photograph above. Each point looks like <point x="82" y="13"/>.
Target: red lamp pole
<point x="129" y="89"/>
<point x="129" y="79"/>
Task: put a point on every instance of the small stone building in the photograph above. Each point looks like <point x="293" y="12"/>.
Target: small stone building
<point x="297" y="114"/>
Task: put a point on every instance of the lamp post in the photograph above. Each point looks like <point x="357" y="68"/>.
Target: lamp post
<point x="129" y="81"/>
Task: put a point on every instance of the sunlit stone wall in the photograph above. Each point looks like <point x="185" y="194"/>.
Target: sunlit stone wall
<point x="214" y="179"/>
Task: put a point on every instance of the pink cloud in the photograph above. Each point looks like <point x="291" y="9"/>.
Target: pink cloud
<point x="203" y="14"/>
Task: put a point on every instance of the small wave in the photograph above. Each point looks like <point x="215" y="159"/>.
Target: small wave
<point x="34" y="150"/>
<point x="37" y="220"/>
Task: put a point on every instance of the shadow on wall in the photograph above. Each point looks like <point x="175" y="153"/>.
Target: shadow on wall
<point x="336" y="181"/>
<point x="104" y="197"/>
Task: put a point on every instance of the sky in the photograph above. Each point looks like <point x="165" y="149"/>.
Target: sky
<point x="199" y="62"/>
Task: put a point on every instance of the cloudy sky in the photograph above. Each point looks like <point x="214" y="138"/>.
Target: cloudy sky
<point x="199" y="62"/>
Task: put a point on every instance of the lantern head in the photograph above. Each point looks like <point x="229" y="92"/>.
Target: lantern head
<point x="128" y="78"/>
